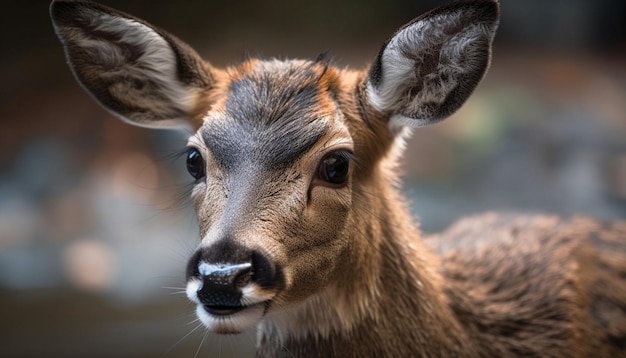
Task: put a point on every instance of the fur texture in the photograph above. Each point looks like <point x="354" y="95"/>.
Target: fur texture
<point x="430" y="66"/>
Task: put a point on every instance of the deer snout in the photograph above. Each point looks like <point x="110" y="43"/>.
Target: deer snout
<point x="220" y="289"/>
<point x="225" y="288"/>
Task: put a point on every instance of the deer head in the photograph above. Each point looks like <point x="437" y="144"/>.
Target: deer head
<point x="292" y="160"/>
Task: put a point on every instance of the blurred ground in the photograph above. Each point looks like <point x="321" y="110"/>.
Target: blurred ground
<point x="94" y="228"/>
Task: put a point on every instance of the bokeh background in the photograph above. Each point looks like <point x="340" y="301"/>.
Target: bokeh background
<point x="95" y="230"/>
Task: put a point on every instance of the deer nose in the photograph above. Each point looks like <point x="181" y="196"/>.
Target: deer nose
<point x="220" y="286"/>
<point x="220" y="290"/>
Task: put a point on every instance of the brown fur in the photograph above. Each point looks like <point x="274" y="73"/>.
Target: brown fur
<point x="538" y="285"/>
<point x="354" y="276"/>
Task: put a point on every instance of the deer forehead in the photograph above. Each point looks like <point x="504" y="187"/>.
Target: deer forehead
<point x="272" y="113"/>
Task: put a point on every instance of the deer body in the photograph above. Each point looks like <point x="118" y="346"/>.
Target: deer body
<point x="304" y="234"/>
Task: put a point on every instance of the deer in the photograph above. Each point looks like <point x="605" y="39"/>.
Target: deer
<point x="304" y="234"/>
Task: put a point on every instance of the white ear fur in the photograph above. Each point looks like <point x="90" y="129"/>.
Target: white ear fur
<point x="429" y="67"/>
<point x="126" y="65"/>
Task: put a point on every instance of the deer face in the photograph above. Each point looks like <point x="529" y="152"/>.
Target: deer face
<point x="272" y="163"/>
<point x="283" y="151"/>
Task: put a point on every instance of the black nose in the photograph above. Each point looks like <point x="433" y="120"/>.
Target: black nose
<point x="220" y="291"/>
<point x="221" y="285"/>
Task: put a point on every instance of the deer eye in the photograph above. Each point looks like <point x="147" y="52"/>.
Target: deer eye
<point x="334" y="168"/>
<point x="195" y="164"/>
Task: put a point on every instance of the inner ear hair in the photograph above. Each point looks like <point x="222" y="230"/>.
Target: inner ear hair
<point x="427" y="69"/>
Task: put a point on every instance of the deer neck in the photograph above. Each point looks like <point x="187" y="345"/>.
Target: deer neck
<point x="390" y="302"/>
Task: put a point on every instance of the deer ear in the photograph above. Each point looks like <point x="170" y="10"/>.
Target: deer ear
<point x="427" y="70"/>
<point x="138" y="72"/>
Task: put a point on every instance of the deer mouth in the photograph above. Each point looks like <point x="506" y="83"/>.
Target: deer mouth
<point x="223" y="310"/>
<point x="231" y="319"/>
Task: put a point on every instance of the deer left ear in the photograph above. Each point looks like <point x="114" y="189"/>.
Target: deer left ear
<point x="427" y="70"/>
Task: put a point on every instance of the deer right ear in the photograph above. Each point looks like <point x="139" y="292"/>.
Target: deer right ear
<point x="427" y="70"/>
<point x="138" y="72"/>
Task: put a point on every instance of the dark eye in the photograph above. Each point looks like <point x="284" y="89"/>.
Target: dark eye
<point x="195" y="164"/>
<point x="334" y="168"/>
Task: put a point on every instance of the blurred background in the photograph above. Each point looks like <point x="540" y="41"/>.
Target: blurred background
<point x="95" y="228"/>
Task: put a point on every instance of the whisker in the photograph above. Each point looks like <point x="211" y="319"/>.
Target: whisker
<point x="178" y="293"/>
<point x="206" y="333"/>
<point x="183" y="338"/>
<point x="252" y="339"/>
<point x="220" y="347"/>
